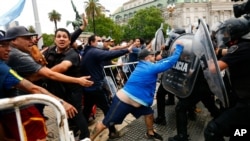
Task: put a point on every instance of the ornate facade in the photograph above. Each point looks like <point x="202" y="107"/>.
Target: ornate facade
<point x="180" y="13"/>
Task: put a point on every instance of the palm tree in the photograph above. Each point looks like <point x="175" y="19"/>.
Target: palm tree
<point x="31" y="29"/>
<point x="55" y="17"/>
<point x="93" y="8"/>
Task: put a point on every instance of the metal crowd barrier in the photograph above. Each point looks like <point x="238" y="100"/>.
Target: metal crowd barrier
<point x="61" y="116"/>
<point x="118" y="75"/>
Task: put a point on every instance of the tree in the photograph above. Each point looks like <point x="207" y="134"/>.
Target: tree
<point x="31" y="29"/>
<point x="93" y="9"/>
<point x="106" y="27"/>
<point x="144" y="24"/>
<point x="48" y="39"/>
<point x="55" y="17"/>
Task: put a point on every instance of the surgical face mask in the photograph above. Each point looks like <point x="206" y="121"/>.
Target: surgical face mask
<point x="100" y="45"/>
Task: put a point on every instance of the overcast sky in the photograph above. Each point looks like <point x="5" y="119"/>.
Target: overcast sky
<point x="45" y="6"/>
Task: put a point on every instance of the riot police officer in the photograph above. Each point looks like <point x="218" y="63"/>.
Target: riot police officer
<point x="161" y="92"/>
<point x="233" y="39"/>
<point x="200" y="92"/>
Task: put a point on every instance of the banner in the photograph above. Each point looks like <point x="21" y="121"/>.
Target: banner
<point x="12" y="14"/>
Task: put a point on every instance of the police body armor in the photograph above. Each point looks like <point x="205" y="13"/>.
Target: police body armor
<point x="181" y="78"/>
<point x="198" y="50"/>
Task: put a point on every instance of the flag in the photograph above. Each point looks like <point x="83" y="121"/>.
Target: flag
<point x="12" y="14"/>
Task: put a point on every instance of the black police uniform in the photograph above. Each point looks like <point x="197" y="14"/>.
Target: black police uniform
<point x="237" y="59"/>
<point x="201" y="92"/>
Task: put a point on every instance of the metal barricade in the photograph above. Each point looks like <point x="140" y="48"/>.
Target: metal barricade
<point x="117" y="74"/>
<point x="61" y="116"/>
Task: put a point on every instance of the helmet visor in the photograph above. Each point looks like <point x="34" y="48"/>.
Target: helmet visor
<point x="222" y="37"/>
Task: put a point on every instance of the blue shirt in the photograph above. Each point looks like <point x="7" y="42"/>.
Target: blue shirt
<point x="142" y="83"/>
<point x="8" y="78"/>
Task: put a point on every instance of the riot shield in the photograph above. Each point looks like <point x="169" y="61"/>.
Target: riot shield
<point x="159" y="40"/>
<point x="180" y="79"/>
<point x="203" y="49"/>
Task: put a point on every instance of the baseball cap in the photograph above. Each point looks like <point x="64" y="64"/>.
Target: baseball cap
<point x="106" y="39"/>
<point x="3" y="37"/>
<point x="18" y="31"/>
<point x="144" y="53"/>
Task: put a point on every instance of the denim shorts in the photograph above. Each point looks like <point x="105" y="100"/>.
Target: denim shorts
<point x="119" y="110"/>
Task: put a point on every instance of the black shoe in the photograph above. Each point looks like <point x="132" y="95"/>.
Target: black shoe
<point x="178" y="138"/>
<point x="169" y="102"/>
<point x="160" y="120"/>
<point x="155" y="137"/>
<point x="114" y="135"/>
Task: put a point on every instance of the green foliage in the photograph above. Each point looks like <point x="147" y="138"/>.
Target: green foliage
<point x="105" y="27"/>
<point x="48" y="39"/>
<point x="93" y="8"/>
<point x="55" y="17"/>
<point x="31" y="29"/>
<point x="144" y="24"/>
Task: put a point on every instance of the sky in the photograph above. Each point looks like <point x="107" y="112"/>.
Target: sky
<point x="63" y="7"/>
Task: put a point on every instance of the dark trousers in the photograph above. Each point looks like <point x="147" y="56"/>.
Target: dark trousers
<point x="98" y="97"/>
<point x="160" y="97"/>
<point x="75" y="99"/>
<point x="201" y="92"/>
<point x="237" y="117"/>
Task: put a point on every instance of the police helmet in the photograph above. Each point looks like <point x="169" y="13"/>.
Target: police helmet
<point x="172" y="35"/>
<point x="231" y="30"/>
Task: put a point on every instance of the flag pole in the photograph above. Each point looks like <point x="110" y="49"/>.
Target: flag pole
<point x="37" y="23"/>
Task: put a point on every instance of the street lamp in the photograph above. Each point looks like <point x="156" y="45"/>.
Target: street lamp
<point x="170" y="9"/>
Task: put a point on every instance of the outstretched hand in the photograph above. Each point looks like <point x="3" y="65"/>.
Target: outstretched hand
<point x="70" y="110"/>
<point x="84" y="20"/>
<point x="85" y="82"/>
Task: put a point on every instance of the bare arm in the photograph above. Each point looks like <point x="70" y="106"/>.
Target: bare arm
<point x="222" y="65"/>
<point x="31" y="88"/>
<point x="46" y="72"/>
<point x="62" y="67"/>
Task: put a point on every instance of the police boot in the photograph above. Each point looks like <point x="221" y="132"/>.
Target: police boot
<point x="178" y="138"/>
<point x="181" y="124"/>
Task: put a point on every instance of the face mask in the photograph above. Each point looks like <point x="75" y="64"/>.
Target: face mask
<point x="100" y="45"/>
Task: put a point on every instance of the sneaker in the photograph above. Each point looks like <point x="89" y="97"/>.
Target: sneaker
<point x="160" y="120"/>
<point x="114" y="135"/>
<point x="86" y="139"/>
<point x="155" y="137"/>
<point x="178" y="138"/>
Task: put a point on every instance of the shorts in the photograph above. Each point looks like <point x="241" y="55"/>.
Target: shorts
<point x="119" y="110"/>
<point x="33" y="124"/>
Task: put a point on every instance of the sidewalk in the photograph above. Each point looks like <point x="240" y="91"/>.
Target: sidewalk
<point x="134" y="130"/>
<point x="53" y="133"/>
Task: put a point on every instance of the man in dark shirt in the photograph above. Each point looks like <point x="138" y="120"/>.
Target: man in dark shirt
<point x="92" y="65"/>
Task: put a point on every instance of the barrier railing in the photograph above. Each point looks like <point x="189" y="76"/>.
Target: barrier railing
<point x="60" y="113"/>
<point x="118" y="74"/>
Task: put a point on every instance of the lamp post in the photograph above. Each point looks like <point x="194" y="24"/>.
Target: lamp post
<point x="93" y="18"/>
<point x="170" y="9"/>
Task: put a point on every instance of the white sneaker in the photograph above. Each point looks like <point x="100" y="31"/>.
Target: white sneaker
<point x="86" y="139"/>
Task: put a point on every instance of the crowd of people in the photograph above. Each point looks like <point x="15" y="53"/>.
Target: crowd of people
<point x="71" y="73"/>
